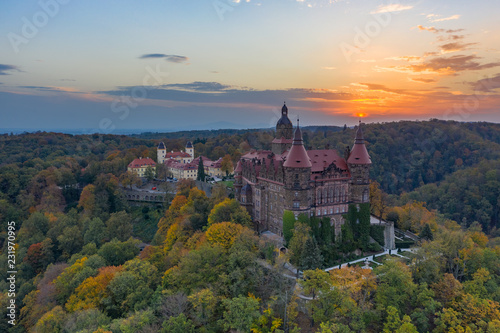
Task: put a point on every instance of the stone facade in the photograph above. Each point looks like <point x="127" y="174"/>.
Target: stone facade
<point x="315" y="182"/>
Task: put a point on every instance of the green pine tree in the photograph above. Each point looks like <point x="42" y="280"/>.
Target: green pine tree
<point x="288" y="225"/>
<point x="311" y="255"/>
<point x="201" y="171"/>
<point x="427" y="233"/>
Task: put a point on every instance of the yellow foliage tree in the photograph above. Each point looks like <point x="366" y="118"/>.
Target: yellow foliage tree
<point x="92" y="290"/>
<point x="223" y="234"/>
<point x="360" y="283"/>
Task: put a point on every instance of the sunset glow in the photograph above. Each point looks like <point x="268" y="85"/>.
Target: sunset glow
<point x="186" y="64"/>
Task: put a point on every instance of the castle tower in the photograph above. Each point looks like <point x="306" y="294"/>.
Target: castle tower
<point x="297" y="176"/>
<point x="359" y="166"/>
<point x="190" y="149"/>
<point x="238" y="180"/>
<point x="161" y="152"/>
<point x="284" y="133"/>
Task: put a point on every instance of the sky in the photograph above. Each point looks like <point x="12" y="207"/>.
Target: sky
<point x="163" y="65"/>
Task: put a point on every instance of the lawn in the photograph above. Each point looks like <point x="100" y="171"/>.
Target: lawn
<point x="228" y="183"/>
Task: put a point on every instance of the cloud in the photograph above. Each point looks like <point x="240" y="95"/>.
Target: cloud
<point x="436" y="30"/>
<point x="422" y="80"/>
<point x="406" y="58"/>
<point x="453" y="17"/>
<point x="329" y="68"/>
<point x="487" y="84"/>
<point x="51" y="89"/>
<point x="70" y="80"/>
<point x="176" y="58"/>
<point x="198" y="86"/>
<point x="381" y="87"/>
<point x="455" y="47"/>
<point x="442" y="65"/>
<point x="4" y="69"/>
<point x="431" y="29"/>
<point x="216" y="93"/>
<point x="169" y="57"/>
<point x="366" y="60"/>
<point x="391" y="8"/>
<point x="153" y="55"/>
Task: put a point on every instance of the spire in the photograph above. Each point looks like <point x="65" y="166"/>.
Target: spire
<point x="359" y="135"/>
<point x="297" y="138"/>
<point x="297" y="156"/>
<point x="359" y="154"/>
<point x="284" y="110"/>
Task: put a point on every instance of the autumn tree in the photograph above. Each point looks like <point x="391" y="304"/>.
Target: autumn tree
<point x="240" y="313"/>
<point x="150" y="173"/>
<point x="229" y="210"/>
<point x="396" y="286"/>
<point x="119" y="225"/>
<point x="378" y="200"/>
<point x="223" y="234"/>
<point x="227" y="165"/>
<point x="93" y="290"/>
<point x="204" y="306"/>
<point x="301" y="233"/>
<point x="130" y="179"/>
<point x="178" y="324"/>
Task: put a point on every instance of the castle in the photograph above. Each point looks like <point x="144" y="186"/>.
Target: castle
<point x="289" y="177"/>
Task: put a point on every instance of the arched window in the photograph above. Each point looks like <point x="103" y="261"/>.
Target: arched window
<point x="365" y="195"/>
<point x="337" y="197"/>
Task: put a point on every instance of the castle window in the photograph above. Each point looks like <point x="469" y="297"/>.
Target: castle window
<point x="324" y="211"/>
<point x="296" y="204"/>
<point x="365" y="196"/>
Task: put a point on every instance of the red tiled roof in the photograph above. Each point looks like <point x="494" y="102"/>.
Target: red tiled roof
<point x="177" y="154"/>
<point x="359" y="154"/>
<point x="321" y="159"/>
<point x="179" y="165"/>
<point x="297" y="157"/>
<point x="140" y="162"/>
<point x="238" y="167"/>
<point x="207" y="162"/>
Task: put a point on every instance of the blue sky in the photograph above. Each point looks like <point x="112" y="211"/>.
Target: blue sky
<point x="164" y="65"/>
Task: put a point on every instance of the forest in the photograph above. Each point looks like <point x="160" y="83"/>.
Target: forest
<point x="88" y="260"/>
